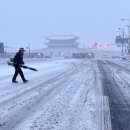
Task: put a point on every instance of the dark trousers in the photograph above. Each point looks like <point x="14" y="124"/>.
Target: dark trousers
<point x="18" y="70"/>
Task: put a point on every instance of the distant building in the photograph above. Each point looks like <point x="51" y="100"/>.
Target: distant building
<point x="1" y="48"/>
<point x="61" y="45"/>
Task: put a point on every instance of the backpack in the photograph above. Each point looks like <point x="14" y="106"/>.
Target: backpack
<point x="12" y="60"/>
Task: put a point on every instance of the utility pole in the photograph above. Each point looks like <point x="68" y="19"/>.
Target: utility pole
<point x="122" y="41"/>
<point x="128" y="34"/>
<point x="128" y="39"/>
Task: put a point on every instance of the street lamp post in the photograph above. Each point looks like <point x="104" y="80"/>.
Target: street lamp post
<point x="128" y="26"/>
<point x="128" y="39"/>
<point x="122" y="42"/>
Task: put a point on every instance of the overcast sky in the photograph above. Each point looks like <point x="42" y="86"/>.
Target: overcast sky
<point x="29" y="21"/>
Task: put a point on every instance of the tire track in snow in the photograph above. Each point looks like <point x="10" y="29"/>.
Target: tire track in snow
<point x="119" y="107"/>
<point x="17" y="89"/>
<point x="16" y="108"/>
<point x="60" y="112"/>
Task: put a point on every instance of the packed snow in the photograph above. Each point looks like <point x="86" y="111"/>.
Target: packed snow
<point x="65" y="94"/>
<point x="60" y="96"/>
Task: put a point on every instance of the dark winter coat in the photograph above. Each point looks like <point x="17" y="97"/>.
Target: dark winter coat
<point x="18" y="59"/>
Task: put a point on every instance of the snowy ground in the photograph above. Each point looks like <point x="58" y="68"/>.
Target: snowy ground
<point x="116" y="87"/>
<point x="60" y="96"/>
<point x="65" y="94"/>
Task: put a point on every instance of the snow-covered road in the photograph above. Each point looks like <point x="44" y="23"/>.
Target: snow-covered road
<point x="66" y="94"/>
<point x="116" y="87"/>
<point x="60" y="96"/>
